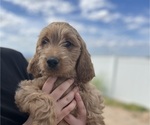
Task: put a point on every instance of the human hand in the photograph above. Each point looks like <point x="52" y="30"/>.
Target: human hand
<point x="62" y="106"/>
<point x="60" y="111"/>
<point x="81" y="116"/>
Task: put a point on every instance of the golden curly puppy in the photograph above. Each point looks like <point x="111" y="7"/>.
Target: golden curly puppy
<point x="62" y="53"/>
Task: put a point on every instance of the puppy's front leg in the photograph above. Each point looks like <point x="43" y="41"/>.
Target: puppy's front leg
<point x="30" y="98"/>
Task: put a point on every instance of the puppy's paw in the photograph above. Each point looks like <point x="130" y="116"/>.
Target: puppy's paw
<point x="42" y="108"/>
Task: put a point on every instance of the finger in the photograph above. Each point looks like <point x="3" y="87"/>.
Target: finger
<point x="68" y="98"/>
<point x="80" y="105"/>
<point x="59" y="91"/>
<point x="70" y="119"/>
<point x="48" y="85"/>
<point x="67" y="110"/>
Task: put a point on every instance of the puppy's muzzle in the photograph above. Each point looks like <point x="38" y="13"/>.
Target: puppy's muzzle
<point x="52" y="62"/>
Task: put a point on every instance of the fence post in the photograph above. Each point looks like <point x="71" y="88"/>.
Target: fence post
<point x="114" y="75"/>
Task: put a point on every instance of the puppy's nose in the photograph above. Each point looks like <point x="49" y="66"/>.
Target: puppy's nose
<point x="52" y="62"/>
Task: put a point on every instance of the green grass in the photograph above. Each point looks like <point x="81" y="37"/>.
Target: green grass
<point x="99" y="83"/>
<point x="131" y="107"/>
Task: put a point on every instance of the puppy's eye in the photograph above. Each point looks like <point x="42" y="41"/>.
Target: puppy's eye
<point x="68" y="44"/>
<point x="45" y="41"/>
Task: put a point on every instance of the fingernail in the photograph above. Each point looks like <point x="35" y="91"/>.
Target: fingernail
<point x="75" y="89"/>
<point x="78" y="94"/>
<point x="51" y="78"/>
<point x="71" y="81"/>
<point x="48" y="79"/>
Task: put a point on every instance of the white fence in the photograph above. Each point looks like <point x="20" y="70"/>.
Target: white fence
<point x="125" y="78"/>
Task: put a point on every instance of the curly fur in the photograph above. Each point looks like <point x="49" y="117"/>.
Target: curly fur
<point x="74" y="62"/>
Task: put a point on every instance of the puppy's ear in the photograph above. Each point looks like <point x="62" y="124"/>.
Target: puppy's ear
<point x="33" y="67"/>
<point x="85" y="70"/>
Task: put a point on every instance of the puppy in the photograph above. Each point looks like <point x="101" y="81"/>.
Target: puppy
<point x="62" y="53"/>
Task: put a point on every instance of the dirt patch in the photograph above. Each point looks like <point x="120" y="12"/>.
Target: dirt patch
<point x="120" y="116"/>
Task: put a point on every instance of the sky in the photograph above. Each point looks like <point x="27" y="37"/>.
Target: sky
<point x="109" y="27"/>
